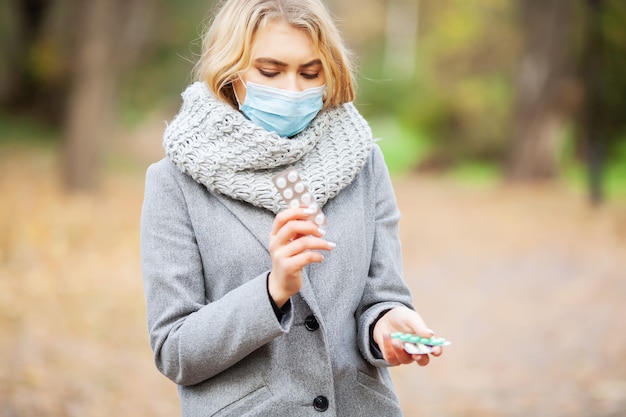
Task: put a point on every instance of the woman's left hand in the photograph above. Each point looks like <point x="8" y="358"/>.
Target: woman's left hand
<point x="405" y="320"/>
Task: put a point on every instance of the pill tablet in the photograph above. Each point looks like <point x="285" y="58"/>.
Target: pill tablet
<point x="281" y="182"/>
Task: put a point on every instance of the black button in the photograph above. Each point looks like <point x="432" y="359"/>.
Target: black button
<point x="320" y="403"/>
<point x="311" y="323"/>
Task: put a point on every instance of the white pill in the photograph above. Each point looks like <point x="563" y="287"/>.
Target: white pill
<point x="299" y="187"/>
<point x="319" y="219"/>
<point x="306" y="198"/>
<point x="292" y="176"/>
<point x="294" y="203"/>
<point x="288" y="193"/>
<point x="281" y="182"/>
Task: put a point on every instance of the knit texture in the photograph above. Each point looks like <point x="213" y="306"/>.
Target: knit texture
<point x="221" y="149"/>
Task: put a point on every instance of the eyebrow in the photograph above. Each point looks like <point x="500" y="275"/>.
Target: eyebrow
<point x="284" y="64"/>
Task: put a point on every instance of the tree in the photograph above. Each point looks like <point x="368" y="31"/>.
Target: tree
<point x="602" y="68"/>
<point x="106" y="47"/>
<point x="545" y="90"/>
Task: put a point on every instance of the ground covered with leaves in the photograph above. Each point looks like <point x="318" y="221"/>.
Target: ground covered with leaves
<point x="528" y="283"/>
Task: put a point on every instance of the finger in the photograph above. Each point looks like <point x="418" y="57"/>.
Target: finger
<point x="436" y="351"/>
<point x="300" y="252"/>
<point x="295" y="229"/>
<point x="307" y="243"/>
<point x="403" y="356"/>
<point x="295" y="254"/>
<point x="297" y="262"/>
<point x="406" y="320"/>
<point x="285" y="216"/>
<point x="419" y="327"/>
<point x="302" y="255"/>
<point x="426" y="332"/>
<point x="421" y="360"/>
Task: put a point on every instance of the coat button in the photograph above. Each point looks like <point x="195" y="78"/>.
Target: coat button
<point x="320" y="403"/>
<point x="311" y="323"/>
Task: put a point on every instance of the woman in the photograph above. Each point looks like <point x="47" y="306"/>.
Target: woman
<point x="252" y="308"/>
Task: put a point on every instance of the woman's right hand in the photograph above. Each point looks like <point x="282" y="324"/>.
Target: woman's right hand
<point x="294" y="243"/>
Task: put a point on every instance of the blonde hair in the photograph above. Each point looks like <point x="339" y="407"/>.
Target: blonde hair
<point x="227" y="44"/>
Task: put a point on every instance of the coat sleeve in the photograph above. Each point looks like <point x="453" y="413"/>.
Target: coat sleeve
<point x="193" y="339"/>
<point x="385" y="287"/>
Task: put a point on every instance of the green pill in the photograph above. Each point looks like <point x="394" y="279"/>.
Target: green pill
<point x="413" y="338"/>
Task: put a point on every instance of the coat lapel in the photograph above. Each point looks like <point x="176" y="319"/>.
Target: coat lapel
<point x="308" y="295"/>
<point x="259" y="222"/>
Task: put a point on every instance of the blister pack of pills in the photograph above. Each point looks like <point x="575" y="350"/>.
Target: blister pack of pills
<point x="296" y="194"/>
<point x="416" y="345"/>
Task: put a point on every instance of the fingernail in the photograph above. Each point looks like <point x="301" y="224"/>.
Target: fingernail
<point x="332" y="244"/>
<point x="431" y="331"/>
<point x="321" y="231"/>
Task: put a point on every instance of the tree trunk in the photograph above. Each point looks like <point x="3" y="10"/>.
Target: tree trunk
<point x="542" y="90"/>
<point x="602" y="68"/>
<point x="400" y="58"/>
<point x="89" y="109"/>
<point x="593" y="70"/>
<point x="112" y="36"/>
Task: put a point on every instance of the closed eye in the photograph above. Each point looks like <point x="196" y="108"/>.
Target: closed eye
<point x="268" y="74"/>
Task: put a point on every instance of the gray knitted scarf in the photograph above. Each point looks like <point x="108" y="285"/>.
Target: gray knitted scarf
<point x="221" y="149"/>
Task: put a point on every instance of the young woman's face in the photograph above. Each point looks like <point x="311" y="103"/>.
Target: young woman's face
<point x="283" y="57"/>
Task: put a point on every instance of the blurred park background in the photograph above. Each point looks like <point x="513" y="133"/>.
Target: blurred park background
<point x="504" y="126"/>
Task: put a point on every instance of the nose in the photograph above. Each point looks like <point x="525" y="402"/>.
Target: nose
<point x="292" y="83"/>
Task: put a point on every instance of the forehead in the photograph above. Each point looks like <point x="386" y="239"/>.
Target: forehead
<point x="281" y="41"/>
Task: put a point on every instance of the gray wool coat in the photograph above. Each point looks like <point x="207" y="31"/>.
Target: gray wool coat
<point x="212" y="328"/>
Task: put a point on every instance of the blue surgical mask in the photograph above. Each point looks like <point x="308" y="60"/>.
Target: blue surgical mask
<point x="285" y="112"/>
